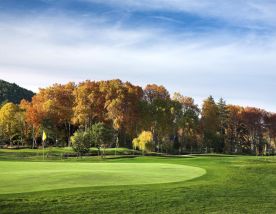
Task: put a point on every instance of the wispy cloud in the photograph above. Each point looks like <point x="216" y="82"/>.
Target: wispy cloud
<point x="43" y="49"/>
<point x="239" y="12"/>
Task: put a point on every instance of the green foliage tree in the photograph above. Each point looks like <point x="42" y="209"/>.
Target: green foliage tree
<point x="101" y="136"/>
<point x="80" y="142"/>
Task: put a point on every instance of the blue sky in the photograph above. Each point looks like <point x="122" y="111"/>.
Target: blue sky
<point x="196" y="47"/>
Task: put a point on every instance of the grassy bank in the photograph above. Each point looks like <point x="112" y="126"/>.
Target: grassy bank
<point x="58" y="153"/>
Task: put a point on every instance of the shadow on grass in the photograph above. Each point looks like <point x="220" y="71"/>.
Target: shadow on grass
<point x="215" y="155"/>
<point x="120" y="157"/>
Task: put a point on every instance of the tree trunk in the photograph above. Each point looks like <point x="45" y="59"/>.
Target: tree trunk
<point x="10" y="142"/>
<point x="33" y="138"/>
<point x="69" y="134"/>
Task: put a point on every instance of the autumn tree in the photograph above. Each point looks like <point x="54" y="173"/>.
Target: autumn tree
<point x="187" y="122"/>
<point x="176" y="124"/>
<point x="35" y="114"/>
<point x="122" y="107"/>
<point x="223" y="116"/>
<point x="10" y="122"/>
<point x="210" y="124"/>
<point x="253" y="119"/>
<point x="59" y="100"/>
<point x="270" y="123"/>
<point x="153" y="92"/>
<point x="25" y="129"/>
<point x="51" y="109"/>
<point x="89" y="104"/>
<point x="160" y="113"/>
<point x="234" y="131"/>
<point x="143" y="141"/>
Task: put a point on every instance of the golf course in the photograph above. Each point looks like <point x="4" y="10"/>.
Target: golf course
<point x="136" y="184"/>
<point x="20" y="177"/>
<point x="137" y="107"/>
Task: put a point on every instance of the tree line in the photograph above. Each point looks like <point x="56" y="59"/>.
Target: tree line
<point x="127" y="112"/>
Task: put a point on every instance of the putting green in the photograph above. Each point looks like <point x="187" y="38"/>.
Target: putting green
<point x="17" y="177"/>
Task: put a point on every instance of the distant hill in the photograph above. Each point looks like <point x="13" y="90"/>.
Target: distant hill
<point x="13" y="93"/>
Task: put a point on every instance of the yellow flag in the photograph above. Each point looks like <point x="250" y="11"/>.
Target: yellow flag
<point x="44" y="136"/>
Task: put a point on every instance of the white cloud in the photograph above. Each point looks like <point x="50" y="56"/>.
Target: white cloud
<point x="40" y="52"/>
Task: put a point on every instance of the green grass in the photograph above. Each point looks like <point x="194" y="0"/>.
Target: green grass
<point x="17" y="177"/>
<point x="232" y="184"/>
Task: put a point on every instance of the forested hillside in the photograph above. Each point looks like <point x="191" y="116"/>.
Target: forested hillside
<point x="13" y="93"/>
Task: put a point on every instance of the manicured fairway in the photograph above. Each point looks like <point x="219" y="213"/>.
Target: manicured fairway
<point x="231" y="184"/>
<point x="19" y="177"/>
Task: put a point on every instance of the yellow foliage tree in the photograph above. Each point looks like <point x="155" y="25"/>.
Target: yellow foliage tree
<point x="9" y="121"/>
<point x="143" y="142"/>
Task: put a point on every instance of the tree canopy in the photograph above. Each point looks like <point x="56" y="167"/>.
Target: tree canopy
<point x="117" y="113"/>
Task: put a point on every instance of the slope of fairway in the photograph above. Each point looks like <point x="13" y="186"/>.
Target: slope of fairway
<point x="17" y="177"/>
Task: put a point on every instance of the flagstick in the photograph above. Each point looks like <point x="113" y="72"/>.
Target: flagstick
<point x="43" y="149"/>
<point x="44" y="137"/>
